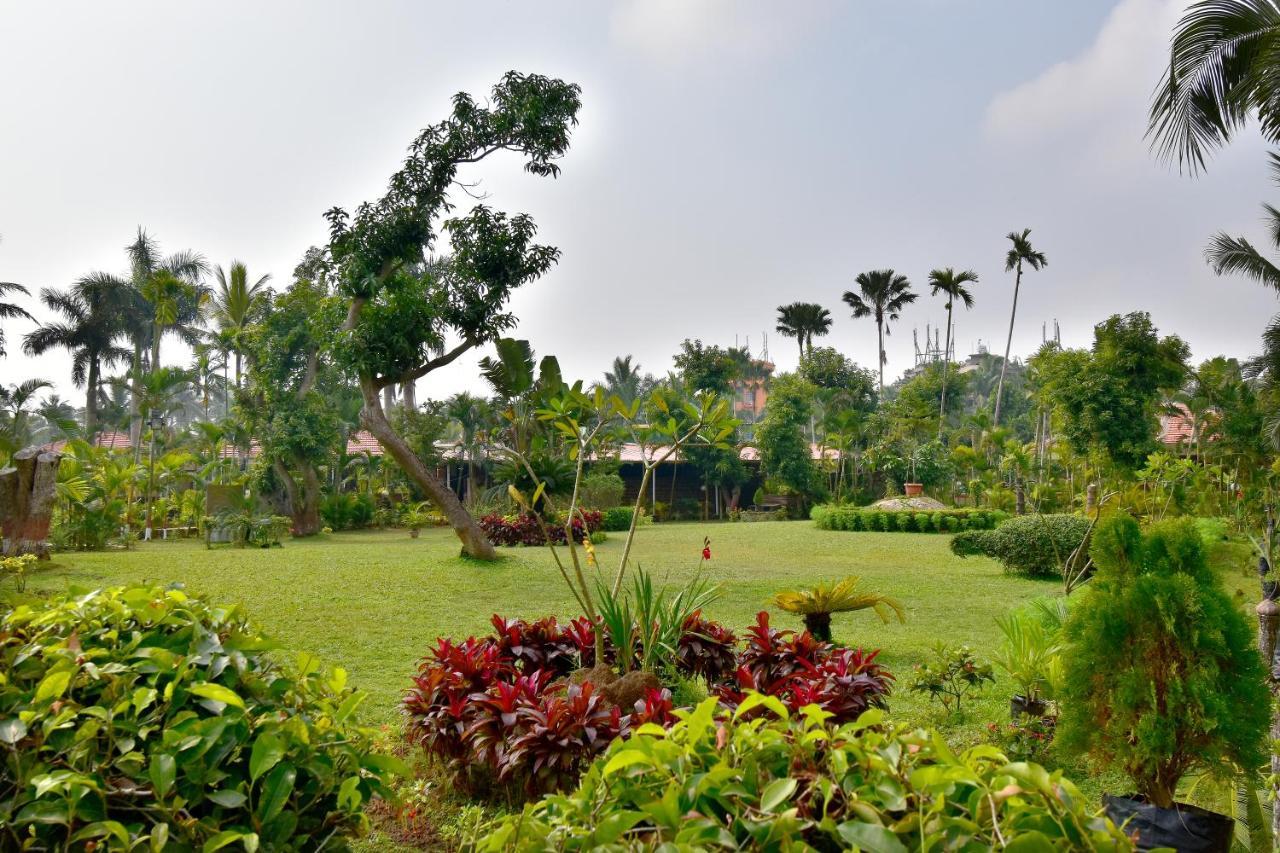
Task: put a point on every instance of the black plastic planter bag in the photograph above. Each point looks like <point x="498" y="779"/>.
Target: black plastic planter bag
<point x="1184" y="828"/>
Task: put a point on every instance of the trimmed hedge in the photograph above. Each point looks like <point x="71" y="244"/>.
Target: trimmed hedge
<point x="867" y="519"/>
<point x="1029" y="545"/>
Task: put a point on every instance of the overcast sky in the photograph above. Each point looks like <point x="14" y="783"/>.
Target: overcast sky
<point x="732" y="156"/>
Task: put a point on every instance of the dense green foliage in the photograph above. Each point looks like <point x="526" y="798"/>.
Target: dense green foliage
<point x="1031" y="545"/>
<point x="783" y="438"/>
<point x="1161" y="675"/>
<point x="141" y="714"/>
<point x="765" y="783"/>
<point x="1108" y="397"/>
<point x="836" y="517"/>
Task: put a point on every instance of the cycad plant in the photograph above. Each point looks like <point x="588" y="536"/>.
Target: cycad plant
<point x="817" y="603"/>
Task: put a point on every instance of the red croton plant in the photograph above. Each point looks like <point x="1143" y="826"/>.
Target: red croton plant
<point x="501" y="715"/>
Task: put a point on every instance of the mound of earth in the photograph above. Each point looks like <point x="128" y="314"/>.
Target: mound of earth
<point x="921" y="502"/>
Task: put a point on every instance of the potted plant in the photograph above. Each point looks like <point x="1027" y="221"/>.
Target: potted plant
<point x="415" y="519"/>
<point x="817" y="604"/>
<point x="1160" y="679"/>
<point x="1030" y="656"/>
<point x="913" y="488"/>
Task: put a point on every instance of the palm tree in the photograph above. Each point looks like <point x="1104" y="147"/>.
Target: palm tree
<point x="624" y="380"/>
<point x="15" y="432"/>
<point x="473" y="415"/>
<point x="88" y="331"/>
<point x="952" y="285"/>
<point x="176" y="308"/>
<point x="1021" y="252"/>
<point x="234" y="304"/>
<point x="9" y="311"/>
<point x="884" y="294"/>
<point x="1224" y="67"/>
<point x="803" y="320"/>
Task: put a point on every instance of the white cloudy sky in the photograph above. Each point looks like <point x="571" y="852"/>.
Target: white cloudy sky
<point x="732" y="156"/>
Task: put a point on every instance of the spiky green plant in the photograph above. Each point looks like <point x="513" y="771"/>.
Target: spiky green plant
<point x="817" y="603"/>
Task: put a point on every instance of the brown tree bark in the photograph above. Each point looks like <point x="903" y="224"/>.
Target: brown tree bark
<point x="374" y="419"/>
<point x="304" y="501"/>
<point x="27" y="492"/>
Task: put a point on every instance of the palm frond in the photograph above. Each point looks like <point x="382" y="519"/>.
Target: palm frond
<point x="840" y="597"/>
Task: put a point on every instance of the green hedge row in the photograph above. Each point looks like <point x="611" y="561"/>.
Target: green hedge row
<point x="830" y="517"/>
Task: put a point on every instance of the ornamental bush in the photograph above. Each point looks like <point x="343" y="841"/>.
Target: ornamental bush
<point x="525" y="529"/>
<point x="795" y="781"/>
<point x="1028" y="545"/>
<point x="497" y="714"/>
<point x="1161" y="675"/>
<point x="618" y="519"/>
<point x="852" y="518"/>
<point x="141" y="717"/>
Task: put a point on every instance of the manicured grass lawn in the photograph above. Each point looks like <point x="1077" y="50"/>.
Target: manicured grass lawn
<point x="373" y="602"/>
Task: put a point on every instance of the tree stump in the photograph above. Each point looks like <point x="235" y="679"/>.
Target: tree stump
<point x="27" y="492"/>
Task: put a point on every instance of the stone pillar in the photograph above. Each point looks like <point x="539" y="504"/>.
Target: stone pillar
<point x="27" y="492"/>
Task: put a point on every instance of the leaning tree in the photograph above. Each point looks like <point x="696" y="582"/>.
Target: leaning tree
<point x="407" y="317"/>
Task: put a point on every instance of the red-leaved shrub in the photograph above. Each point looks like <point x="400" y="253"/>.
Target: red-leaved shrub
<point x="801" y="670"/>
<point x="525" y="529"/>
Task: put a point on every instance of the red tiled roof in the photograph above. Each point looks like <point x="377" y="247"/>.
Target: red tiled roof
<point x="1176" y="428"/>
<point x="362" y="441"/>
<point x="230" y="451"/>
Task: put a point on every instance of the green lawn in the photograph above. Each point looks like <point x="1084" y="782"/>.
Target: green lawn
<point x="374" y="602"/>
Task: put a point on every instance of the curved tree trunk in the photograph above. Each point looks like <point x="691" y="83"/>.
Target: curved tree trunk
<point x="374" y="419"/>
<point x="304" y="501"/>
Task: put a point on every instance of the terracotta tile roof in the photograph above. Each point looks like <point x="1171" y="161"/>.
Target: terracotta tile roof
<point x="1176" y="428"/>
<point x="107" y="438"/>
<point x="230" y="451"/>
<point x="362" y="441"/>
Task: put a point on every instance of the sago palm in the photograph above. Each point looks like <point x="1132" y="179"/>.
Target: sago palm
<point x="882" y="295"/>
<point x="817" y="604"/>
<point x="950" y="284"/>
<point x="1224" y="69"/>
<point x="1020" y="254"/>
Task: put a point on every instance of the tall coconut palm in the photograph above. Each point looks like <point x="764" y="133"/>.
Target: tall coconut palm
<point x="1020" y="253"/>
<point x="950" y="284"/>
<point x="1224" y="68"/>
<point x="10" y="311"/>
<point x="802" y="321"/>
<point x="883" y="295"/>
<point x="89" y="330"/>
<point x="235" y="301"/>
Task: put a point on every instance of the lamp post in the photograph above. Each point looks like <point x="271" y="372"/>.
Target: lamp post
<point x="156" y="422"/>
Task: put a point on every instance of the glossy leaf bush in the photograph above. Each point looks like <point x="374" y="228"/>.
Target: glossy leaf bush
<point x="797" y="781"/>
<point x="139" y="717"/>
<point x="867" y="519"/>
<point x="800" y="670"/>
